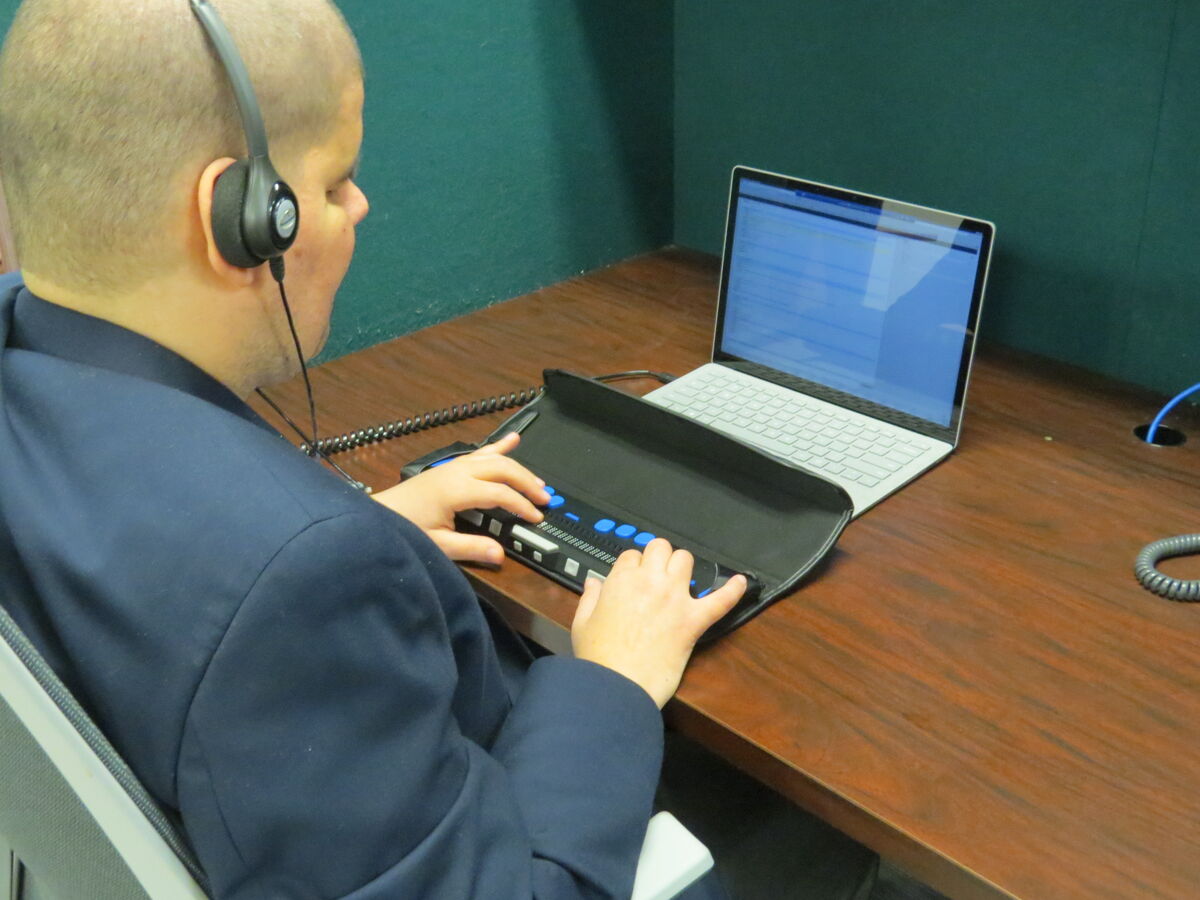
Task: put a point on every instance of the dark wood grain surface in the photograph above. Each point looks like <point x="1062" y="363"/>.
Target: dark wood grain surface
<point x="975" y="685"/>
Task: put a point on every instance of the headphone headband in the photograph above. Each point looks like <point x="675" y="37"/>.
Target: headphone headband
<point x="243" y="90"/>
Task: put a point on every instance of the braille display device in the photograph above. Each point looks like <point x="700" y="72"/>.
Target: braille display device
<point x="622" y="471"/>
<point x="576" y="541"/>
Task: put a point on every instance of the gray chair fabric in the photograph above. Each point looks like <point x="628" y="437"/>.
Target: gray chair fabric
<point x="66" y="854"/>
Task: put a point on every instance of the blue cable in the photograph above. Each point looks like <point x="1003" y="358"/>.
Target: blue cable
<point x="1166" y="409"/>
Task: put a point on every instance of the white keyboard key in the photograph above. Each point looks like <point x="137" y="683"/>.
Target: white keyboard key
<point x="883" y="463"/>
<point x="533" y="538"/>
<point x="867" y="469"/>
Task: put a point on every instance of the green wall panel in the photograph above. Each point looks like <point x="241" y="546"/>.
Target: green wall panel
<point x="1041" y="115"/>
<point x="1163" y="346"/>
<point x="508" y="145"/>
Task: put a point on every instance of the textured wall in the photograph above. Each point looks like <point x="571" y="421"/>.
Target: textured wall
<point x="509" y="144"/>
<point x="1070" y="123"/>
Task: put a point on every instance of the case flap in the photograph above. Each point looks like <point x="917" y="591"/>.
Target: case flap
<point x="698" y="488"/>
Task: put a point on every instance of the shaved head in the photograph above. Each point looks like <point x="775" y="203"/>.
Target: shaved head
<point x="110" y="109"/>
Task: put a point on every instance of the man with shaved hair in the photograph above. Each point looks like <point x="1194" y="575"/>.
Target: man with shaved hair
<point x="296" y="670"/>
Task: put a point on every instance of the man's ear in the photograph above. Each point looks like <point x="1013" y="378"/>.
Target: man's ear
<point x="224" y="270"/>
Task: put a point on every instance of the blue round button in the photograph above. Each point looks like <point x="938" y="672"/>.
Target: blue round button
<point x="604" y="526"/>
<point x="556" y="501"/>
<point x="643" y="538"/>
<point x="549" y="490"/>
<point x="625" y="531"/>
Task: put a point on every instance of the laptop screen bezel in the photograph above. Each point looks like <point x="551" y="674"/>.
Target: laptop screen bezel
<point x="985" y="229"/>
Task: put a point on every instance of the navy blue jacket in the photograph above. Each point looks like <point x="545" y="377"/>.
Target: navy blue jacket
<point x="296" y="670"/>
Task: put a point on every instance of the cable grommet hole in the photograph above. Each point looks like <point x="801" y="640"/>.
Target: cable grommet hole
<point x="1163" y="436"/>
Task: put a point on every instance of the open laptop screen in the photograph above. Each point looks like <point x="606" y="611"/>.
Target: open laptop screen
<point x="871" y="298"/>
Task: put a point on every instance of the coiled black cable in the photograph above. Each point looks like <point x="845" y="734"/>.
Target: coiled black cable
<point x="1164" y="585"/>
<point x="457" y="413"/>
<point x="363" y="437"/>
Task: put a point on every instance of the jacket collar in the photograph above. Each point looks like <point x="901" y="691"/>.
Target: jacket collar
<point x="28" y="322"/>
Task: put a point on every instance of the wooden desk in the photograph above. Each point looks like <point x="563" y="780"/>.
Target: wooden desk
<point x="975" y="686"/>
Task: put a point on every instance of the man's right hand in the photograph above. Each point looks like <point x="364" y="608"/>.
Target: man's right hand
<point x="643" y="622"/>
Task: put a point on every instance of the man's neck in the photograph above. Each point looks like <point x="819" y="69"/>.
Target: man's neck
<point x="179" y="317"/>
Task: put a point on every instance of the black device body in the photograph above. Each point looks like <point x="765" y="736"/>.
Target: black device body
<point x="575" y="541"/>
<point x="567" y="547"/>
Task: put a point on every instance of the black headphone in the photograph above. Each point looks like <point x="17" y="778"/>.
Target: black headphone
<point x="255" y="215"/>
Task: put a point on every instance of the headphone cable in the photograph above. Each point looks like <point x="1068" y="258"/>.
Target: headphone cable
<point x="276" y="264"/>
<point x="311" y="445"/>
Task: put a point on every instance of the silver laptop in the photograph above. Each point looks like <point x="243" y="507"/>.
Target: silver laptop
<point x="845" y="331"/>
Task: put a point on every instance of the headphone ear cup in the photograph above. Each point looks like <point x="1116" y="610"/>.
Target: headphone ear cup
<point x="229" y="197"/>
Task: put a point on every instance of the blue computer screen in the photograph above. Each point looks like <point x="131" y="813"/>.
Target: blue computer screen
<point x="871" y="301"/>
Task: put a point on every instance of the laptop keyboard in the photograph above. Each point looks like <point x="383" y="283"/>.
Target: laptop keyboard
<point x="804" y="431"/>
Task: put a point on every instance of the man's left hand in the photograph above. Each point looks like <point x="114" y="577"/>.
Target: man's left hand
<point x="484" y="478"/>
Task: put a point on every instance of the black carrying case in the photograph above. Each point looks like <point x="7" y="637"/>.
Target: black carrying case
<point x="700" y="489"/>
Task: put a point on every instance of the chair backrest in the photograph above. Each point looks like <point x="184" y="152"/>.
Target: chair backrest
<point x="70" y="808"/>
